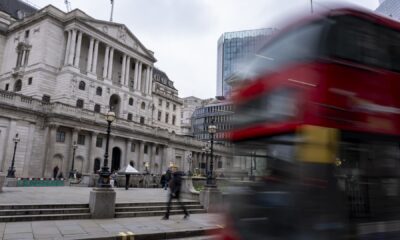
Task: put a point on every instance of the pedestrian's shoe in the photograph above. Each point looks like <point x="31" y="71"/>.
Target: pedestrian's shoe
<point x="165" y="218"/>
<point x="186" y="216"/>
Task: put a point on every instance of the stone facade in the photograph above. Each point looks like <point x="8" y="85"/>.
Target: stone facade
<point x="59" y="74"/>
<point x="167" y="104"/>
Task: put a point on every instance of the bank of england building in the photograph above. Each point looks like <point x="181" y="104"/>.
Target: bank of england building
<point x="60" y="73"/>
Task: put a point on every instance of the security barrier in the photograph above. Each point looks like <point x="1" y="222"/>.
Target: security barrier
<point x="39" y="182"/>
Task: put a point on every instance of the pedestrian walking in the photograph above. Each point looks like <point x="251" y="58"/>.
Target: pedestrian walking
<point x="168" y="177"/>
<point x="175" y="184"/>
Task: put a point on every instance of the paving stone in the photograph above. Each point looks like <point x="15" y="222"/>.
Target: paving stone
<point x="18" y="236"/>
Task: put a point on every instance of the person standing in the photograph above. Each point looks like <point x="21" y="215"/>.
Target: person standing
<point x="55" y="172"/>
<point x="175" y="184"/>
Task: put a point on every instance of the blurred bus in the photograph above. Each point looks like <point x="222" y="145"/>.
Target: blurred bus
<point x="321" y="107"/>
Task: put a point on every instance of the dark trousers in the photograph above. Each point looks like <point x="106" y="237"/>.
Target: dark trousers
<point x="127" y="176"/>
<point x="179" y="201"/>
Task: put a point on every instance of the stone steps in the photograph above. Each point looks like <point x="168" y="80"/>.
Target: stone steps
<point x="156" y="213"/>
<point x="40" y="212"/>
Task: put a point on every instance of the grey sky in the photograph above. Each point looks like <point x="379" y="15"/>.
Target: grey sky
<point x="183" y="33"/>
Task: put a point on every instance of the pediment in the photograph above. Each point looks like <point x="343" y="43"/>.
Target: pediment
<point x="121" y="33"/>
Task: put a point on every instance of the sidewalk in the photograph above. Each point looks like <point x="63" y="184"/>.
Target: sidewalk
<point x="138" y="228"/>
<point x="141" y="227"/>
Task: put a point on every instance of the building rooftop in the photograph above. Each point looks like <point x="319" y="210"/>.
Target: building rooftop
<point x="16" y="8"/>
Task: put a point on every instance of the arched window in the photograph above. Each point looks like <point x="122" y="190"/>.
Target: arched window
<point x="82" y="85"/>
<point x="18" y="85"/>
<point x="79" y="103"/>
<point x="130" y="116"/>
<point x="99" y="91"/>
<point x="143" y="106"/>
<point x="131" y="101"/>
<point x="97" y="108"/>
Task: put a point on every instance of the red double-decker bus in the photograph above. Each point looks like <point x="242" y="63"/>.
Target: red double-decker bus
<point x="321" y="113"/>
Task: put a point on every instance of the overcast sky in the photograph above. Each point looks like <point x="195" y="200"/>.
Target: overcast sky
<point x="183" y="33"/>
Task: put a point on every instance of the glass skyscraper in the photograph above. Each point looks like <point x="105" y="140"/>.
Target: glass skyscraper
<point x="234" y="48"/>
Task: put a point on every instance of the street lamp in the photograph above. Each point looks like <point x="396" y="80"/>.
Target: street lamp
<point x="212" y="129"/>
<point x="206" y="149"/>
<point x="190" y="161"/>
<point x="71" y="173"/>
<point x="104" y="179"/>
<point x="11" y="170"/>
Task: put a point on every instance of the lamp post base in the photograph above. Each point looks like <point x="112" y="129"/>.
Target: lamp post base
<point x="104" y="179"/>
<point x="11" y="173"/>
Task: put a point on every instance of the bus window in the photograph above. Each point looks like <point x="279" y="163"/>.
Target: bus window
<point x="301" y="44"/>
<point x="364" y="42"/>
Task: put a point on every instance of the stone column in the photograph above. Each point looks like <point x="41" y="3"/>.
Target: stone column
<point x="127" y="70"/>
<point x="67" y="49"/>
<point x="152" y="156"/>
<point x="96" y="51"/>
<point x="72" y="48"/>
<point x="136" y="79"/>
<point x="90" y="163"/>
<point x="106" y="62"/>
<point x="68" y="162"/>
<point x="127" y="152"/>
<point x="78" y="50"/>
<point x="90" y="56"/>
<point x="150" y="81"/>
<point x="23" y="57"/>
<point x="123" y="69"/>
<point x="139" y="83"/>
<point x="110" y="64"/>
<point x="50" y="150"/>
<point x="141" y="155"/>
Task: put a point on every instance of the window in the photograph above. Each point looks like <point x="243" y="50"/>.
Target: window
<point x="7" y="86"/>
<point x="173" y="119"/>
<point x="27" y="34"/>
<point x="141" y="120"/>
<point x="81" y="139"/>
<point x="131" y="101"/>
<point x="174" y="107"/>
<point x="30" y="81"/>
<point x="99" y="91"/>
<point x="166" y="117"/>
<point x="143" y="106"/>
<point x="159" y="116"/>
<point x="97" y="108"/>
<point x="60" y="136"/>
<point x="18" y="85"/>
<point x="219" y="164"/>
<point x="82" y="85"/>
<point x="79" y="103"/>
<point x="132" y="147"/>
<point x="157" y="150"/>
<point x="167" y="104"/>
<point x="46" y="98"/>
<point x="99" y="142"/>
<point x="145" y="150"/>
<point x="130" y="116"/>
<point x="159" y="102"/>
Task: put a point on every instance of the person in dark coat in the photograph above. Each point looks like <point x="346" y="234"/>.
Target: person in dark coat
<point x="168" y="176"/>
<point x="175" y="184"/>
<point x="163" y="181"/>
<point x="55" y="171"/>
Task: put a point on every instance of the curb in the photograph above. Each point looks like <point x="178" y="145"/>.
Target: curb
<point x="160" y="235"/>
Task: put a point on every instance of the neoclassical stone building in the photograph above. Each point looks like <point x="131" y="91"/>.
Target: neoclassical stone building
<point x="59" y="74"/>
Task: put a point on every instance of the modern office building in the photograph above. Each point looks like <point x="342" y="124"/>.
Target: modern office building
<point x="390" y="8"/>
<point x="217" y="112"/>
<point x="234" y="49"/>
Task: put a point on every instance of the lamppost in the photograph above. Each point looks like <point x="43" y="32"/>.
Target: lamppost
<point x="104" y="179"/>
<point x="206" y="149"/>
<point x="212" y="129"/>
<point x="71" y="173"/>
<point x="11" y="170"/>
